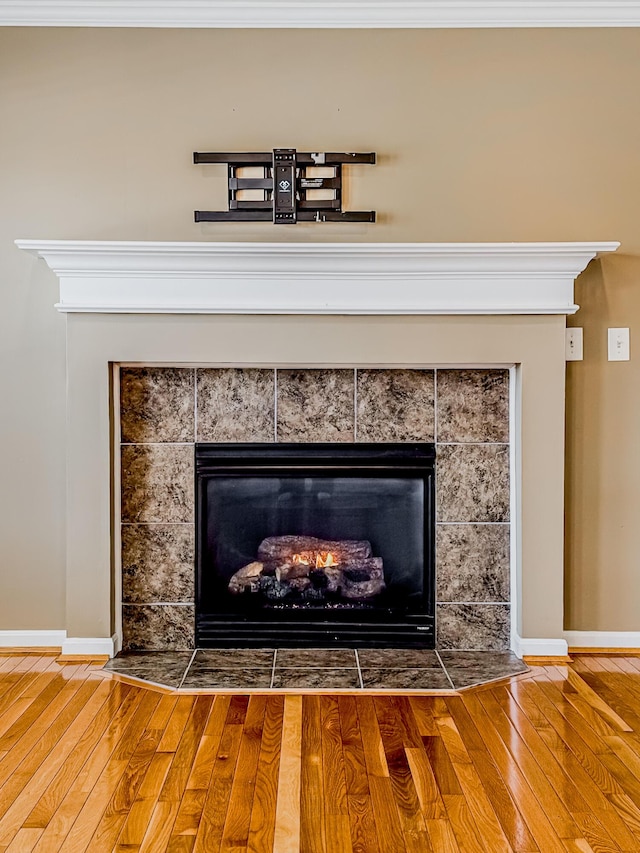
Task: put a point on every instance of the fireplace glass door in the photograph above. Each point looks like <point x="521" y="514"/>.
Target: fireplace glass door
<point x="314" y="544"/>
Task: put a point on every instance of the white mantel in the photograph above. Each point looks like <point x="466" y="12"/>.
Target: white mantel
<point x="320" y="13"/>
<point x="316" y="278"/>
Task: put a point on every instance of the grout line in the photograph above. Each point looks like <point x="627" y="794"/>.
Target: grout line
<point x="359" y="670"/>
<point x="444" y="669"/>
<point x="158" y="603"/>
<point x="468" y="523"/>
<point x="195" y="403"/>
<point x="492" y="603"/>
<point x="355" y="404"/>
<point x="157" y="443"/>
<point x="187" y="669"/>
<point x="275" y="404"/>
<point x="273" y="669"/>
<point x="473" y="443"/>
<point x="155" y="523"/>
<point x="435" y="406"/>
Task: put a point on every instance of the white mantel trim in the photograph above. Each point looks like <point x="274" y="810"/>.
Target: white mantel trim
<point x="321" y="13"/>
<point x="315" y="278"/>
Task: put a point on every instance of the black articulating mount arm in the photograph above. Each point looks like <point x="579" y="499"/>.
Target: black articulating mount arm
<point x="289" y="185"/>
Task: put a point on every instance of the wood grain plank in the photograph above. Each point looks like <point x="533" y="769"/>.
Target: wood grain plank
<point x="25" y="840"/>
<point x="287" y="823"/>
<point x="312" y="795"/>
<point x="90" y="815"/>
<point x="397" y="735"/>
<point x="572" y="753"/>
<point x="235" y="834"/>
<point x="209" y="743"/>
<point x="212" y="822"/>
<point x="75" y="798"/>
<point x="426" y="786"/>
<point x="92" y="764"/>
<point x="557" y="813"/>
<point x="488" y="827"/>
<point x="532" y="811"/>
<point x="19" y="793"/>
<point x="334" y="783"/>
<point x="263" y="812"/>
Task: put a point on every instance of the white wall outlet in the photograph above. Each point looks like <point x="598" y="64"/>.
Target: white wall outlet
<point x="618" y="344"/>
<point x="573" y="344"/>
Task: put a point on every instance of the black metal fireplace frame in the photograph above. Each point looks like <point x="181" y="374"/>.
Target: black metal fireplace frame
<point x="355" y="629"/>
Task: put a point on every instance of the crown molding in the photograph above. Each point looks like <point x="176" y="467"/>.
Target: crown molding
<point x="321" y="13"/>
<point x="315" y="278"/>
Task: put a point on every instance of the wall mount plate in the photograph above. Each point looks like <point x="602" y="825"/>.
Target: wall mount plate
<point x="289" y="189"/>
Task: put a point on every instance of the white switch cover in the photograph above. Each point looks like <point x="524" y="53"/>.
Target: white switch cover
<point x="573" y="344"/>
<point x="618" y="344"/>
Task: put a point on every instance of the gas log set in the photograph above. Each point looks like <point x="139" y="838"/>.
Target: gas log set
<point x="311" y="572"/>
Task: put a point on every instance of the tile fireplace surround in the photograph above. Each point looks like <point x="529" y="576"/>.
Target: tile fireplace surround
<point x="431" y="322"/>
<point x="164" y="409"/>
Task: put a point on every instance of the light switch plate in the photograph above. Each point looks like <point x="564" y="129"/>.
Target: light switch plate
<point x="573" y="344"/>
<point x="618" y="344"/>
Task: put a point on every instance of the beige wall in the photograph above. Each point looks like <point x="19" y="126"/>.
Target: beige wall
<point x="603" y="456"/>
<point x="482" y="135"/>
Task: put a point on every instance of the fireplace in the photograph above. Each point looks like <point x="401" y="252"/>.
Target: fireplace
<point x="212" y="309"/>
<point x="315" y="544"/>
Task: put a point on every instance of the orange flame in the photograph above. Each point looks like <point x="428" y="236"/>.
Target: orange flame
<point x="323" y="559"/>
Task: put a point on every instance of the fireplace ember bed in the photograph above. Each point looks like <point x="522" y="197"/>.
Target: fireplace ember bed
<point x="317" y="545"/>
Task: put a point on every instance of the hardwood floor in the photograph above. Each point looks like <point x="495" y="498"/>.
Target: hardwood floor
<point x="548" y="761"/>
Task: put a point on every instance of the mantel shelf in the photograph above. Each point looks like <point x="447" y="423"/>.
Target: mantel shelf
<point x="316" y="278"/>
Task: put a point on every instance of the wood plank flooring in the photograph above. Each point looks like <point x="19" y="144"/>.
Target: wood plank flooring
<point x="548" y="761"/>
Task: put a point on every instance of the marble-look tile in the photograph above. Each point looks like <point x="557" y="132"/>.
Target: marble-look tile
<point x="307" y="658"/>
<point x="165" y="668"/>
<point x="157" y="404"/>
<point x="477" y="627"/>
<point x="405" y="679"/>
<point x="472" y="483"/>
<point x="236" y="404"/>
<point x="149" y="627"/>
<point x="472" y="562"/>
<point x="315" y="405"/>
<point x="231" y="658"/>
<point x="468" y="668"/>
<point x="395" y="405"/>
<point x="398" y="658"/>
<point x="473" y="405"/>
<point x="211" y="678"/>
<point x="316" y="678"/>
<point x="157" y="562"/>
<point x="157" y="483"/>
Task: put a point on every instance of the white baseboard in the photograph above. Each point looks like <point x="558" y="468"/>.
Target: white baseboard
<point x="89" y="646"/>
<point x="543" y="648"/>
<point x="33" y="639"/>
<point x="603" y="639"/>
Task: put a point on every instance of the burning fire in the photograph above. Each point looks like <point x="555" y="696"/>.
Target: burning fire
<point x="323" y="559"/>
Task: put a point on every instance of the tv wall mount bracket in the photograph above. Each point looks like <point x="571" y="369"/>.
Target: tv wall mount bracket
<point x="294" y="187"/>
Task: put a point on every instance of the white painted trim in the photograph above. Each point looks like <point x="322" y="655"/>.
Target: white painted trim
<point x="33" y="639"/>
<point x="316" y="278"/>
<point x="90" y="646"/>
<point x="321" y="13"/>
<point x="603" y="639"/>
<point x="522" y="646"/>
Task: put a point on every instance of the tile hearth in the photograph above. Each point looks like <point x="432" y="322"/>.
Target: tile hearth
<point x="317" y="669"/>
